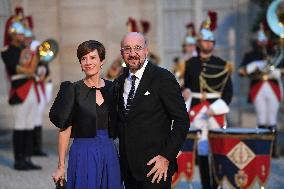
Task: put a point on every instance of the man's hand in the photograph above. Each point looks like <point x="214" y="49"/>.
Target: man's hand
<point x="160" y="169"/>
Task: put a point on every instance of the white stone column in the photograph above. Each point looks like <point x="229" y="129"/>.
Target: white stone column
<point x="232" y="43"/>
<point x="160" y="33"/>
<point x="198" y="13"/>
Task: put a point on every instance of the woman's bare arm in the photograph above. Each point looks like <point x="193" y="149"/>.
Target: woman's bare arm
<point x="63" y="142"/>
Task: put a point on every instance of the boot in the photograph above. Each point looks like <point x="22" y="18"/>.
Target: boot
<point x="204" y="172"/>
<point x="37" y="141"/>
<point x="214" y="183"/>
<point x="19" y="154"/>
<point x="31" y="165"/>
<point x="29" y="149"/>
<point x="275" y="153"/>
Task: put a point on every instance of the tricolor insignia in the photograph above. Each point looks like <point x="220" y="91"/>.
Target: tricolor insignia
<point x="241" y="159"/>
<point x="186" y="161"/>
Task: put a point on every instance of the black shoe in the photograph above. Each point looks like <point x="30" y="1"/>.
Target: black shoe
<point x="21" y="166"/>
<point x="275" y="155"/>
<point x="32" y="166"/>
<point x="37" y="142"/>
<point x="39" y="153"/>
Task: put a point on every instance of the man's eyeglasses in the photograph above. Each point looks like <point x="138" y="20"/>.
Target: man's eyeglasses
<point x="128" y="50"/>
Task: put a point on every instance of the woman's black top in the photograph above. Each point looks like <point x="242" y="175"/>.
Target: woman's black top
<point x="75" y="105"/>
<point x="102" y="113"/>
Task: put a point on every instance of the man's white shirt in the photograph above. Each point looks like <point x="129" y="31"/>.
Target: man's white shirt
<point x="127" y="83"/>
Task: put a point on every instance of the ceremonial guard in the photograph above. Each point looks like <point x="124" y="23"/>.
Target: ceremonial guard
<point x="20" y="63"/>
<point x="44" y="92"/>
<point x="186" y="157"/>
<point x="188" y="51"/>
<point x="45" y="88"/>
<point x="208" y="77"/>
<point x="265" y="82"/>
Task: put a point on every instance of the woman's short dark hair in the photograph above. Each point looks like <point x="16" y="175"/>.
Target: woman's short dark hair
<point x="89" y="46"/>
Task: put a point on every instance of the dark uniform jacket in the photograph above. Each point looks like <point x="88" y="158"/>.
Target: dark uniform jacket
<point x="214" y="65"/>
<point x="19" y="88"/>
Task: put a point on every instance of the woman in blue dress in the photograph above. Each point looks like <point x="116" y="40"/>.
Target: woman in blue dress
<point x="85" y="110"/>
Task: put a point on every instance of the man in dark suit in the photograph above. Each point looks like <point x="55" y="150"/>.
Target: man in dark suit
<point x="153" y="121"/>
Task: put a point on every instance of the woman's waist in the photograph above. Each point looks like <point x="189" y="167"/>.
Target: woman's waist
<point x="100" y="142"/>
<point x="90" y="134"/>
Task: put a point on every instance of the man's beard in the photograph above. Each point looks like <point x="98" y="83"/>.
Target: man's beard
<point x="207" y="51"/>
<point x="137" y="66"/>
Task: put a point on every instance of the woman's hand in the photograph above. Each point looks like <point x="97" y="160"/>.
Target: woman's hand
<point x="63" y="141"/>
<point x="59" y="174"/>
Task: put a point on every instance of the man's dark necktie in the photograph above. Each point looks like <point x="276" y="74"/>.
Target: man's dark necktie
<point x="130" y="95"/>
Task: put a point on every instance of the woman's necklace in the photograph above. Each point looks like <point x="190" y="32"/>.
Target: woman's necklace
<point x="93" y="86"/>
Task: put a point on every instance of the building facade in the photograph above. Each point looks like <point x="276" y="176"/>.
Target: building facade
<point x="71" y="22"/>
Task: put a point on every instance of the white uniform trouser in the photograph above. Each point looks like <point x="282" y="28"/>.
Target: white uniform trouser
<point x="48" y="91"/>
<point x="24" y="113"/>
<point x="44" y="99"/>
<point x="266" y="106"/>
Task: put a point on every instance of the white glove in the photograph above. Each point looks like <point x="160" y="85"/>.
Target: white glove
<point x="251" y="67"/>
<point x="258" y="64"/>
<point x="219" y="107"/>
<point x="261" y="64"/>
<point x="34" y="45"/>
<point x="275" y="74"/>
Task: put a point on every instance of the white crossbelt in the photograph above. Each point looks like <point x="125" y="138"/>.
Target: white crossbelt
<point x="205" y="95"/>
<point x="19" y="76"/>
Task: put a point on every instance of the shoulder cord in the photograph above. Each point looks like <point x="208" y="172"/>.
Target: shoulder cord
<point x="221" y="85"/>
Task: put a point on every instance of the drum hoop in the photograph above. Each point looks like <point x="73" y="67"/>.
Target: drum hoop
<point x="191" y="136"/>
<point x="264" y="136"/>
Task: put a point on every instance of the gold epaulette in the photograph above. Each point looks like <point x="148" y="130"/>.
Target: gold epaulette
<point x="181" y="67"/>
<point x="230" y="67"/>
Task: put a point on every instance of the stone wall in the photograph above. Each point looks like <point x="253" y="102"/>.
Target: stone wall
<point x="71" y="22"/>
